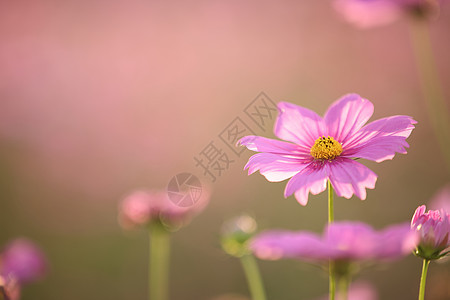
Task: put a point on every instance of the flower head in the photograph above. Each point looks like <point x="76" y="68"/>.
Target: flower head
<point x="341" y="242"/>
<point x="318" y="149"/>
<point x="23" y="261"/>
<point x="143" y="207"/>
<point x="434" y="231"/>
<point x="371" y="13"/>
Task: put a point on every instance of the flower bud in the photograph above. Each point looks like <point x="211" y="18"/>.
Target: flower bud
<point x="433" y="228"/>
<point x="236" y="234"/>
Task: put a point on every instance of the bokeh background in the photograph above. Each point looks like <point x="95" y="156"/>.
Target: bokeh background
<point x="98" y="98"/>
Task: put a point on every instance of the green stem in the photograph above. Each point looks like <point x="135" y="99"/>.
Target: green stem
<point x="331" y="273"/>
<point x="438" y="111"/>
<point x="423" y="279"/>
<point x="254" y="279"/>
<point x="330" y="203"/>
<point x="331" y="281"/>
<point x="159" y="262"/>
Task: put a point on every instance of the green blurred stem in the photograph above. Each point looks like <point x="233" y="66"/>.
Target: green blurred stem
<point x="332" y="280"/>
<point x="438" y="111"/>
<point x="423" y="279"/>
<point x="344" y="284"/>
<point x="159" y="262"/>
<point x="253" y="275"/>
<point x="331" y="273"/>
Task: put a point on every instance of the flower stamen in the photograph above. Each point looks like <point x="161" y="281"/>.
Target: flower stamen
<point x="326" y="148"/>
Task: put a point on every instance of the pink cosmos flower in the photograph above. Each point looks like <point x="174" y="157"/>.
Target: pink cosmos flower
<point x="319" y="149"/>
<point x="371" y="13"/>
<point x="434" y="231"/>
<point x="341" y="241"/>
<point x="23" y="261"/>
<point x="145" y="206"/>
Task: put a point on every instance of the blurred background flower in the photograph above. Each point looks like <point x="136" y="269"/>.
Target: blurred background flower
<point x="9" y="288"/>
<point x="372" y="13"/>
<point x="236" y="235"/>
<point x="143" y="207"/>
<point x="346" y="247"/>
<point x="98" y="98"/>
<point x="348" y="242"/>
<point x="21" y="262"/>
<point x="366" y="14"/>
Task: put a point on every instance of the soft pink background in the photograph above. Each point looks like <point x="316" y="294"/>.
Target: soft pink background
<point x="98" y="98"/>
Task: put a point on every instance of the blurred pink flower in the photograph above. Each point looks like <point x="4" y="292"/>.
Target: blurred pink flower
<point x="365" y="14"/>
<point x="359" y="290"/>
<point x="441" y="200"/>
<point x="341" y="241"/>
<point x="22" y="260"/>
<point x="145" y="206"/>
<point x="9" y="288"/>
<point x="371" y="13"/>
<point x="434" y="231"/>
<point x="321" y="149"/>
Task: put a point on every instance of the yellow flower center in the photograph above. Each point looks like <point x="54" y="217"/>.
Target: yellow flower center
<point x="326" y="148"/>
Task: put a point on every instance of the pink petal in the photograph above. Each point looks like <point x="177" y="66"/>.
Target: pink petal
<point x="396" y="241"/>
<point x="442" y="231"/>
<point x="312" y="179"/>
<point x="381" y="139"/>
<point x="347" y="115"/>
<point x="262" y="144"/>
<point x="298" y="125"/>
<point x="275" y="167"/>
<point x="276" y="244"/>
<point x="354" y="240"/>
<point x="418" y="213"/>
<point x="349" y="177"/>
